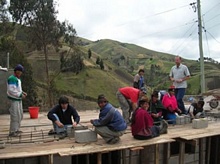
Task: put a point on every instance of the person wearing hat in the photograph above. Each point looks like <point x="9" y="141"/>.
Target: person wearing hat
<point x="110" y="125"/>
<point x="156" y="108"/>
<point x="15" y="95"/>
<point x="179" y="74"/>
<point x="170" y="103"/>
<point x="139" y="79"/>
<point x="128" y="99"/>
<point x="61" y="115"/>
<point x="142" y="124"/>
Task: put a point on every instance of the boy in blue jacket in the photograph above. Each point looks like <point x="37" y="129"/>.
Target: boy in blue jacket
<point x="110" y="125"/>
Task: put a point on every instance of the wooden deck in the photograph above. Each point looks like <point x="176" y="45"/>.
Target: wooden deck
<point x="28" y="146"/>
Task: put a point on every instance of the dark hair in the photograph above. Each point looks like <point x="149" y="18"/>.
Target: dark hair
<point x="201" y="102"/>
<point x="63" y="100"/>
<point x="155" y="94"/>
<point x="141" y="70"/>
<point x="140" y="103"/>
<point x="101" y="98"/>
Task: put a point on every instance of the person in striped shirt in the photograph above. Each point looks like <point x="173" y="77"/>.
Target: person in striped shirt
<point x="15" y="95"/>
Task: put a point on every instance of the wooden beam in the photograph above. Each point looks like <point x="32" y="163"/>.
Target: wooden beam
<point x="208" y="149"/>
<point x="201" y="150"/>
<point x="99" y="158"/>
<point x="181" y="152"/>
<point x="193" y="142"/>
<point x="166" y="154"/>
<point x="157" y="159"/>
<point x="50" y="159"/>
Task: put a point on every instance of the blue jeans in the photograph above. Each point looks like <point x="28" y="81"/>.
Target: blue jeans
<point x="179" y="94"/>
<point x="57" y="129"/>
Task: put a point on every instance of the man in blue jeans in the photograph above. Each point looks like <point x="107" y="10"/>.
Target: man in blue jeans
<point x="178" y="75"/>
<point x="61" y="116"/>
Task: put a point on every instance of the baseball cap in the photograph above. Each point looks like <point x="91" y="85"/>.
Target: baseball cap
<point x="144" y="90"/>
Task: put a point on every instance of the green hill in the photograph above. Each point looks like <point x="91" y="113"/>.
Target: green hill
<point x="121" y="62"/>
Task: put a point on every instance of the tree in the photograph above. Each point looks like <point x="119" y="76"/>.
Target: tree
<point x="101" y="64"/>
<point x="89" y="53"/>
<point x="98" y="60"/>
<point x="44" y="28"/>
<point x="17" y="57"/>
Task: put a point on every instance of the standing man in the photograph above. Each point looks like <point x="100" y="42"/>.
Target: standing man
<point x="139" y="79"/>
<point x="128" y="98"/>
<point x="110" y="125"/>
<point x="61" y="116"/>
<point x="178" y="75"/>
<point x="15" y="95"/>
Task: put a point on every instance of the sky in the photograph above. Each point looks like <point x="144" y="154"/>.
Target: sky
<point x="168" y="26"/>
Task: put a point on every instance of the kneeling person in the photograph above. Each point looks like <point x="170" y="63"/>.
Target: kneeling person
<point x="110" y="125"/>
<point x="142" y="124"/>
<point x="61" y="116"/>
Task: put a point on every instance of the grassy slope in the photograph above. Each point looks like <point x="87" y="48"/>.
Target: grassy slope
<point x="92" y="81"/>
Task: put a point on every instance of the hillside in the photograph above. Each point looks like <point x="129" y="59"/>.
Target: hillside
<point x="121" y="62"/>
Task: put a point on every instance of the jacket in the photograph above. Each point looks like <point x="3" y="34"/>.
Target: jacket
<point x="110" y="117"/>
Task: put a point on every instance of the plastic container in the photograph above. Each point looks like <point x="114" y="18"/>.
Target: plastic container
<point x="33" y="111"/>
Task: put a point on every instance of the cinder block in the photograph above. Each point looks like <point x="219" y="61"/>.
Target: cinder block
<point x="71" y="130"/>
<point x="86" y="135"/>
<point x="187" y="119"/>
<point x="200" y="123"/>
<point x="180" y="120"/>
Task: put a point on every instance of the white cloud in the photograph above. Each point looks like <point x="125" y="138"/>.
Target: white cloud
<point x="168" y="26"/>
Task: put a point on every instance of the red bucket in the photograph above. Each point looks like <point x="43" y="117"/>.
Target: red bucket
<point x="33" y="110"/>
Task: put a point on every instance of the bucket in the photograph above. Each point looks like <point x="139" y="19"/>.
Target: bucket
<point x="33" y="111"/>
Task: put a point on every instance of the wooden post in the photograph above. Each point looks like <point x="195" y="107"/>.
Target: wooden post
<point x="208" y="149"/>
<point x="50" y="160"/>
<point x="156" y="154"/>
<point x="201" y="151"/>
<point x="181" y="152"/>
<point x="166" y="154"/>
<point x="99" y="158"/>
<point x="135" y="149"/>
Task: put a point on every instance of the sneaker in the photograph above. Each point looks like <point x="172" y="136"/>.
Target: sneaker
<point x="51" y="132"/>
<point x="163" y="127"/>
<point x="62" y="135"/>
<point x="14" y="134"/>
<point x="114" y="140"/>
<point x="19" y="131"/>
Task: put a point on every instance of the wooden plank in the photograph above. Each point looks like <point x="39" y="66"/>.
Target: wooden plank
<point x="166" y="154"/>
<point x="202" y="135"/>
<point x="182" y="153"/>
<point x="208" y="150"/>
<point x="201" y="151"/>
<point x="157" y="159"/>
<point x="99" y="158"/>
<point x="50" y="156"/>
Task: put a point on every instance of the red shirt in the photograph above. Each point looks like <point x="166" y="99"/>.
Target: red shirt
<point x="130" y="93"/>
<point x="170" y="101"/>
<point x="143" y="120"/>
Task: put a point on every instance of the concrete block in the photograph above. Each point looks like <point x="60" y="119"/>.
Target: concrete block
<point x="180" y="120"/>
<point x="71" y="130"/>
<point x="200" y="123"/>
<point x="86" y="135"/>
<point x="187" y="119"/>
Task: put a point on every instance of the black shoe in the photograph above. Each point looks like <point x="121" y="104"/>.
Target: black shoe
<point x="51" y="132"/>
<point x="19" y="131"/>
<point x="114" y="140"/>
<point x="62" y="135"/>
<point x="14" y="134"/>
